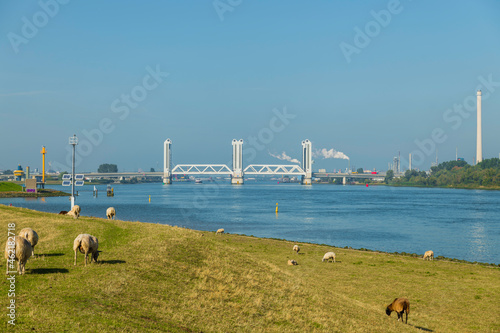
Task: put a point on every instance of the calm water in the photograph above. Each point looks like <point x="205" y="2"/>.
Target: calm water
<point x="461" y="224"/>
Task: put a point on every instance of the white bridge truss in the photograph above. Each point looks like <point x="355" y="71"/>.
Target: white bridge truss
<point x="237" y="173"/>
<point x="201" y="169"/>
<point x="273" y="169"/>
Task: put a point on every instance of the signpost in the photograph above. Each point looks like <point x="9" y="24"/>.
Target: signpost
<point x="73" y="140"/>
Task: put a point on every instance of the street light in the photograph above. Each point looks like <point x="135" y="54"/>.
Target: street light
<point x="73" y="140"/>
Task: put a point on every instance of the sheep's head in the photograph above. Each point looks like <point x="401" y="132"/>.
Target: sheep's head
<point x="95" y="255"/>
<point x="387" y="311"/>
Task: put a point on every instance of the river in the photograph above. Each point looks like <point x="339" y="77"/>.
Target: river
<point x="455" y="223"/>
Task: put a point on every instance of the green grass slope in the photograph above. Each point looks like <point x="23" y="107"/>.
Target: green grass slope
<point x="156" y="278"/>
<point x="8" y="186"/>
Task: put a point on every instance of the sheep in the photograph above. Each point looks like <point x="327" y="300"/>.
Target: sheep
<point x="296" y="248"/>
<point x="328" y="256"/>
<point x="429" y="255"/>
<point x="19" y="250"/>
<point x="75" y="211"/>
<point x="86" y="244"/>
<point x="220" y="231"/>
<point x="31" y="236"/>
<point x="400" y="305"/>
<point x="292" y="262"/>
<point x="110" y="213"/>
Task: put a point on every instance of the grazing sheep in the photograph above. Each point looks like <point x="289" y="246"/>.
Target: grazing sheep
<point x="220" y="231"/>
<point x="400" y="305"/>
<point x="296" y="248"/>
<point x="292" y="262"/>
<point x="31" y="236"/>
<point x="429" y="255"/>
<point x="21" y="252"/>
<point x="86" y="244"/>
<point x="111" y="213"/>
<point x="63" y="212"/>
<point x="75" y="211"/>
<point x="328" y="256"/>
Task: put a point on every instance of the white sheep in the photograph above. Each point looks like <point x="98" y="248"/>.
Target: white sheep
<point x="19" y="250"/>
<point x="86" y="244"/>
<point x="328" y="256"/>
<point x="292" y="262"/>
<point x="429" y="255"/>
<point x="111" y="213"/>
<point x="296" y="248"/>
<point x="220" y="231"/>
<point x="31" y="236"/>
<point x="75" y="211"/>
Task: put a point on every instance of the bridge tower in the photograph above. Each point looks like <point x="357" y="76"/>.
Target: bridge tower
<point x="307" y="162"/>
<point x="237" y="175"/>
<point x="167" y="162"/>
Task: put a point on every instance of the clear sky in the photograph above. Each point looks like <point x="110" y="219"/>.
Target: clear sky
<point x="367" y="79"/>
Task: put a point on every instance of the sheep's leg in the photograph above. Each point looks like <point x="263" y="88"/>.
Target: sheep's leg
<point x="407" y="316"/>
<point x="75" y="258"/>
<point x="86" y="253"/>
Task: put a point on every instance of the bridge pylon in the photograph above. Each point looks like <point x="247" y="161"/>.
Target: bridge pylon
<point x="167" y="162"/>
<point x="237" y="174"/>
<point x="307" y="162"/>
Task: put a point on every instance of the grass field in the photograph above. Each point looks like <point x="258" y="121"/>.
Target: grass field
<point x="155" y="278"/>
<point x="8" y="187"/>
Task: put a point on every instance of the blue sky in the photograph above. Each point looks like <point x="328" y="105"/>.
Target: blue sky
<point x="232" y="66"/>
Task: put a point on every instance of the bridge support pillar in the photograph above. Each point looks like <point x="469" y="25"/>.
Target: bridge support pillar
<point x="344" y="180"/>
<point x="167" y="162"/>
<point x="307" y="162"/>
<point x="237" y="175"/>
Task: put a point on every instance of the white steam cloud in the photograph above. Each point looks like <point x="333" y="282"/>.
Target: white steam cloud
<point x="332" y="153"/>
<point x="285" y="157"/>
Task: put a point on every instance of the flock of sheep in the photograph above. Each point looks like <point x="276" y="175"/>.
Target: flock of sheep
<point x="25" y="242"/>
<point x="24" y="245"/>
<point x="399" y="305"/>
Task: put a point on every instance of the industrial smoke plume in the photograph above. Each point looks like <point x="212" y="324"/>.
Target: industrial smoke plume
<point x="332" y="153"/>
<point x="285" y="157"/>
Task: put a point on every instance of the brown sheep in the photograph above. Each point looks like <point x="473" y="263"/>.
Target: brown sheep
<point x="400" y="305"/>
<point x="63" y="212"/>
<point x="292" y="262"/>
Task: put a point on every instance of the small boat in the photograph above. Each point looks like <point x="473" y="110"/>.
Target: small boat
<point x="198" y="181"/>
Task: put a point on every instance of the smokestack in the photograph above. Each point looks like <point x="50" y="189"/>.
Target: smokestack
<point x="479" y="147"/>
<point x="410" y="162"/>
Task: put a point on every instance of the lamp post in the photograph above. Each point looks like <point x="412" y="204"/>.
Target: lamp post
<point x="73" y="140"/>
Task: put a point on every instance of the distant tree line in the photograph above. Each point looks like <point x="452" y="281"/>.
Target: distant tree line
<point x="107" y="168"/>
<point x="453" y="174"/>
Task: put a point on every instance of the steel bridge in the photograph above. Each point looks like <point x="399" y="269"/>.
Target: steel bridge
<point x="237" y="171"/>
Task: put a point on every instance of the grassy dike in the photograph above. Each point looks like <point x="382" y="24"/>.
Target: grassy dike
<point x="154" y="278"/>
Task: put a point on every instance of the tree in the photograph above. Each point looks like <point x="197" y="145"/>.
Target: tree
<point x="8" y="172"/>
<point x="106" y="168"/>
<point x="152" y="170"/>
<point x="360" y="170"/>
<point x="389" y="175"/>
<point x="60" y="176"/>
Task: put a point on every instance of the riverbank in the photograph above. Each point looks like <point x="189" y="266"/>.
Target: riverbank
<point x="40" y="193"/>
<point x="154" y="277"/>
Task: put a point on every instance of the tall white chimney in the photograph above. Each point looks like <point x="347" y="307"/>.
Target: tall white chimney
<point x="479" y="141"/>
